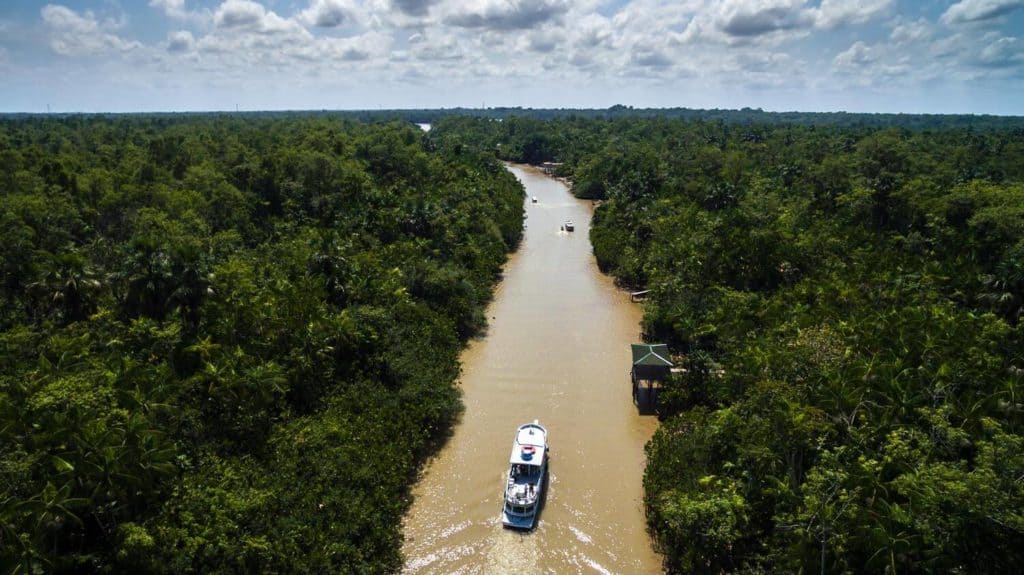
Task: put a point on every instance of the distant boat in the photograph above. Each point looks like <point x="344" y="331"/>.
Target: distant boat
<point x="534" y="198"/>
<point x="527" y="471"/>
<point x="569" y="226"/>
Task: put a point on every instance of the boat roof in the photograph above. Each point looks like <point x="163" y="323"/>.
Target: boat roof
<point x="530" y="434"/>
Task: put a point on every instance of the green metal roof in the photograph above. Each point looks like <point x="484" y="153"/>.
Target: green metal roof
<point x="651" y="354"/>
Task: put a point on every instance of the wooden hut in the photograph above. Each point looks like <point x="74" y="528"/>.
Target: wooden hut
<point x="651" y="366"/>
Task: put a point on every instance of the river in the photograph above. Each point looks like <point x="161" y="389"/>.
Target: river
<point x="556" y="350"/>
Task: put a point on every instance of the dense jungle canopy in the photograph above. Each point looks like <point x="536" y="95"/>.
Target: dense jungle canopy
<point x="228" y="342"/>
<point x="847" y="302"/>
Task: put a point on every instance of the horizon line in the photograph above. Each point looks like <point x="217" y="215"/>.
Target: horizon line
<point x="616" y="107"/>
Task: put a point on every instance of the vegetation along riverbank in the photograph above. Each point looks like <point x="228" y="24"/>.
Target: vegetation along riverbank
<point x="227" y="342"/>
<point x="847" y="300"/>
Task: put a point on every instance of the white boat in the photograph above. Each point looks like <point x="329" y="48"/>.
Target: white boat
<point x="569" y="226"/>
<point x="534" y="198"/>
<point x="527" y="473"/>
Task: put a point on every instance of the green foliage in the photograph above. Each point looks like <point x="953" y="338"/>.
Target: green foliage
<point x="846" y="302"/>
<point x="228" y="342"/>
<point x="708" y="520"/>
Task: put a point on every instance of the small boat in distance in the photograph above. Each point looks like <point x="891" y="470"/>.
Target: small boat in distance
<point x="569" y="226"/>
<point x="534" y="198"/>
<point x="527" y="472"/>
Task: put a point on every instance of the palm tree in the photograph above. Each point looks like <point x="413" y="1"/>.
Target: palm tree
<point x="333" y="266"/>
<point x="45" y="516"/>
<point x="1004" y="289"/>
<point x="191" y="285"/>
<point x="69" y="284"/>
<point x="149" y="276"/>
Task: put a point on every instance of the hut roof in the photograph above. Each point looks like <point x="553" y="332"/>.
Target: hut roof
<point x="655" y="354"/>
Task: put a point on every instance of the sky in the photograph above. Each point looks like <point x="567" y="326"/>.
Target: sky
<point x="923" y="56"/>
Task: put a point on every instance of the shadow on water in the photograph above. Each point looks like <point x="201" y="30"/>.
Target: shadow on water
<point x="433" y="446"/>
<point x="646" y="400"/>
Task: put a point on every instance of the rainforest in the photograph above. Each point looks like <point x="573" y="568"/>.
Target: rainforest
<point x="229" y="342"/>
<point x="846" y="303"/>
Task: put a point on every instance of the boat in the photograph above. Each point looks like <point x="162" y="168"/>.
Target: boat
<point x="569" y="226"/>
<point x="527" y="473"/>
<point x="534" y="198"/>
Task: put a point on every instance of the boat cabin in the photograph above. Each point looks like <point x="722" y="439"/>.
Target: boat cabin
<point x="529" y="448"/>
<point x="526" y="476"/>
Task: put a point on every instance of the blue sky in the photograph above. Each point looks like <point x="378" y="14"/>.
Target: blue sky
<point x="964" y="56"/>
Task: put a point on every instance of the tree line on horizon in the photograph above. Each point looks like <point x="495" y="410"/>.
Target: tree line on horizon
<point x="847" y="302"/>
<point x="228" y="343"/>
<point x="742" y="116"/>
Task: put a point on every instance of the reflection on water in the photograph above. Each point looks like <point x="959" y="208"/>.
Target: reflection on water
<point x="557" y="350"/>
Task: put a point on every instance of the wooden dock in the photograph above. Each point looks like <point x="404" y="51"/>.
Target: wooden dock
<point x="636" y="296"/>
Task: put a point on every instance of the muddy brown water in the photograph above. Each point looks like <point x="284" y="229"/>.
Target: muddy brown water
<point x="556" y="350"/>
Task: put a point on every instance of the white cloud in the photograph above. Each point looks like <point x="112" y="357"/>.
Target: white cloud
<point x="246" y="35"/>
<point x="835" y="13"/>
<point x="756" y="17"/>
<point x="859" y="54"/>
<point x="650" y="58"/>
<point x="177" y="10"/>
<point x="239" y="14"/>
<point x="910" y="32"/>
<point x="729" y="23"/>
<point x="751" y="18"/>
<point x="372" y="45"/>
<point x="327" y="13"/>
<point x="974" y="54"/>
<point x="248" y="16"/>
<point x="173" y="8"/>
<point x="593" y="31"/>
<point x="734" y="45"/>
<point x="764" y="62"/>
<point x="74" y="34"/>
<point x="503" y="15"/>
<point x="180" y="41"/>
<point x="1004" y="52"/>
<point x="977" y="10"/>
<point x="435" y="47"/>
<point x="582" y="60"/>
<point x="413" y="7"/>
<point x="541" y="41"/>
